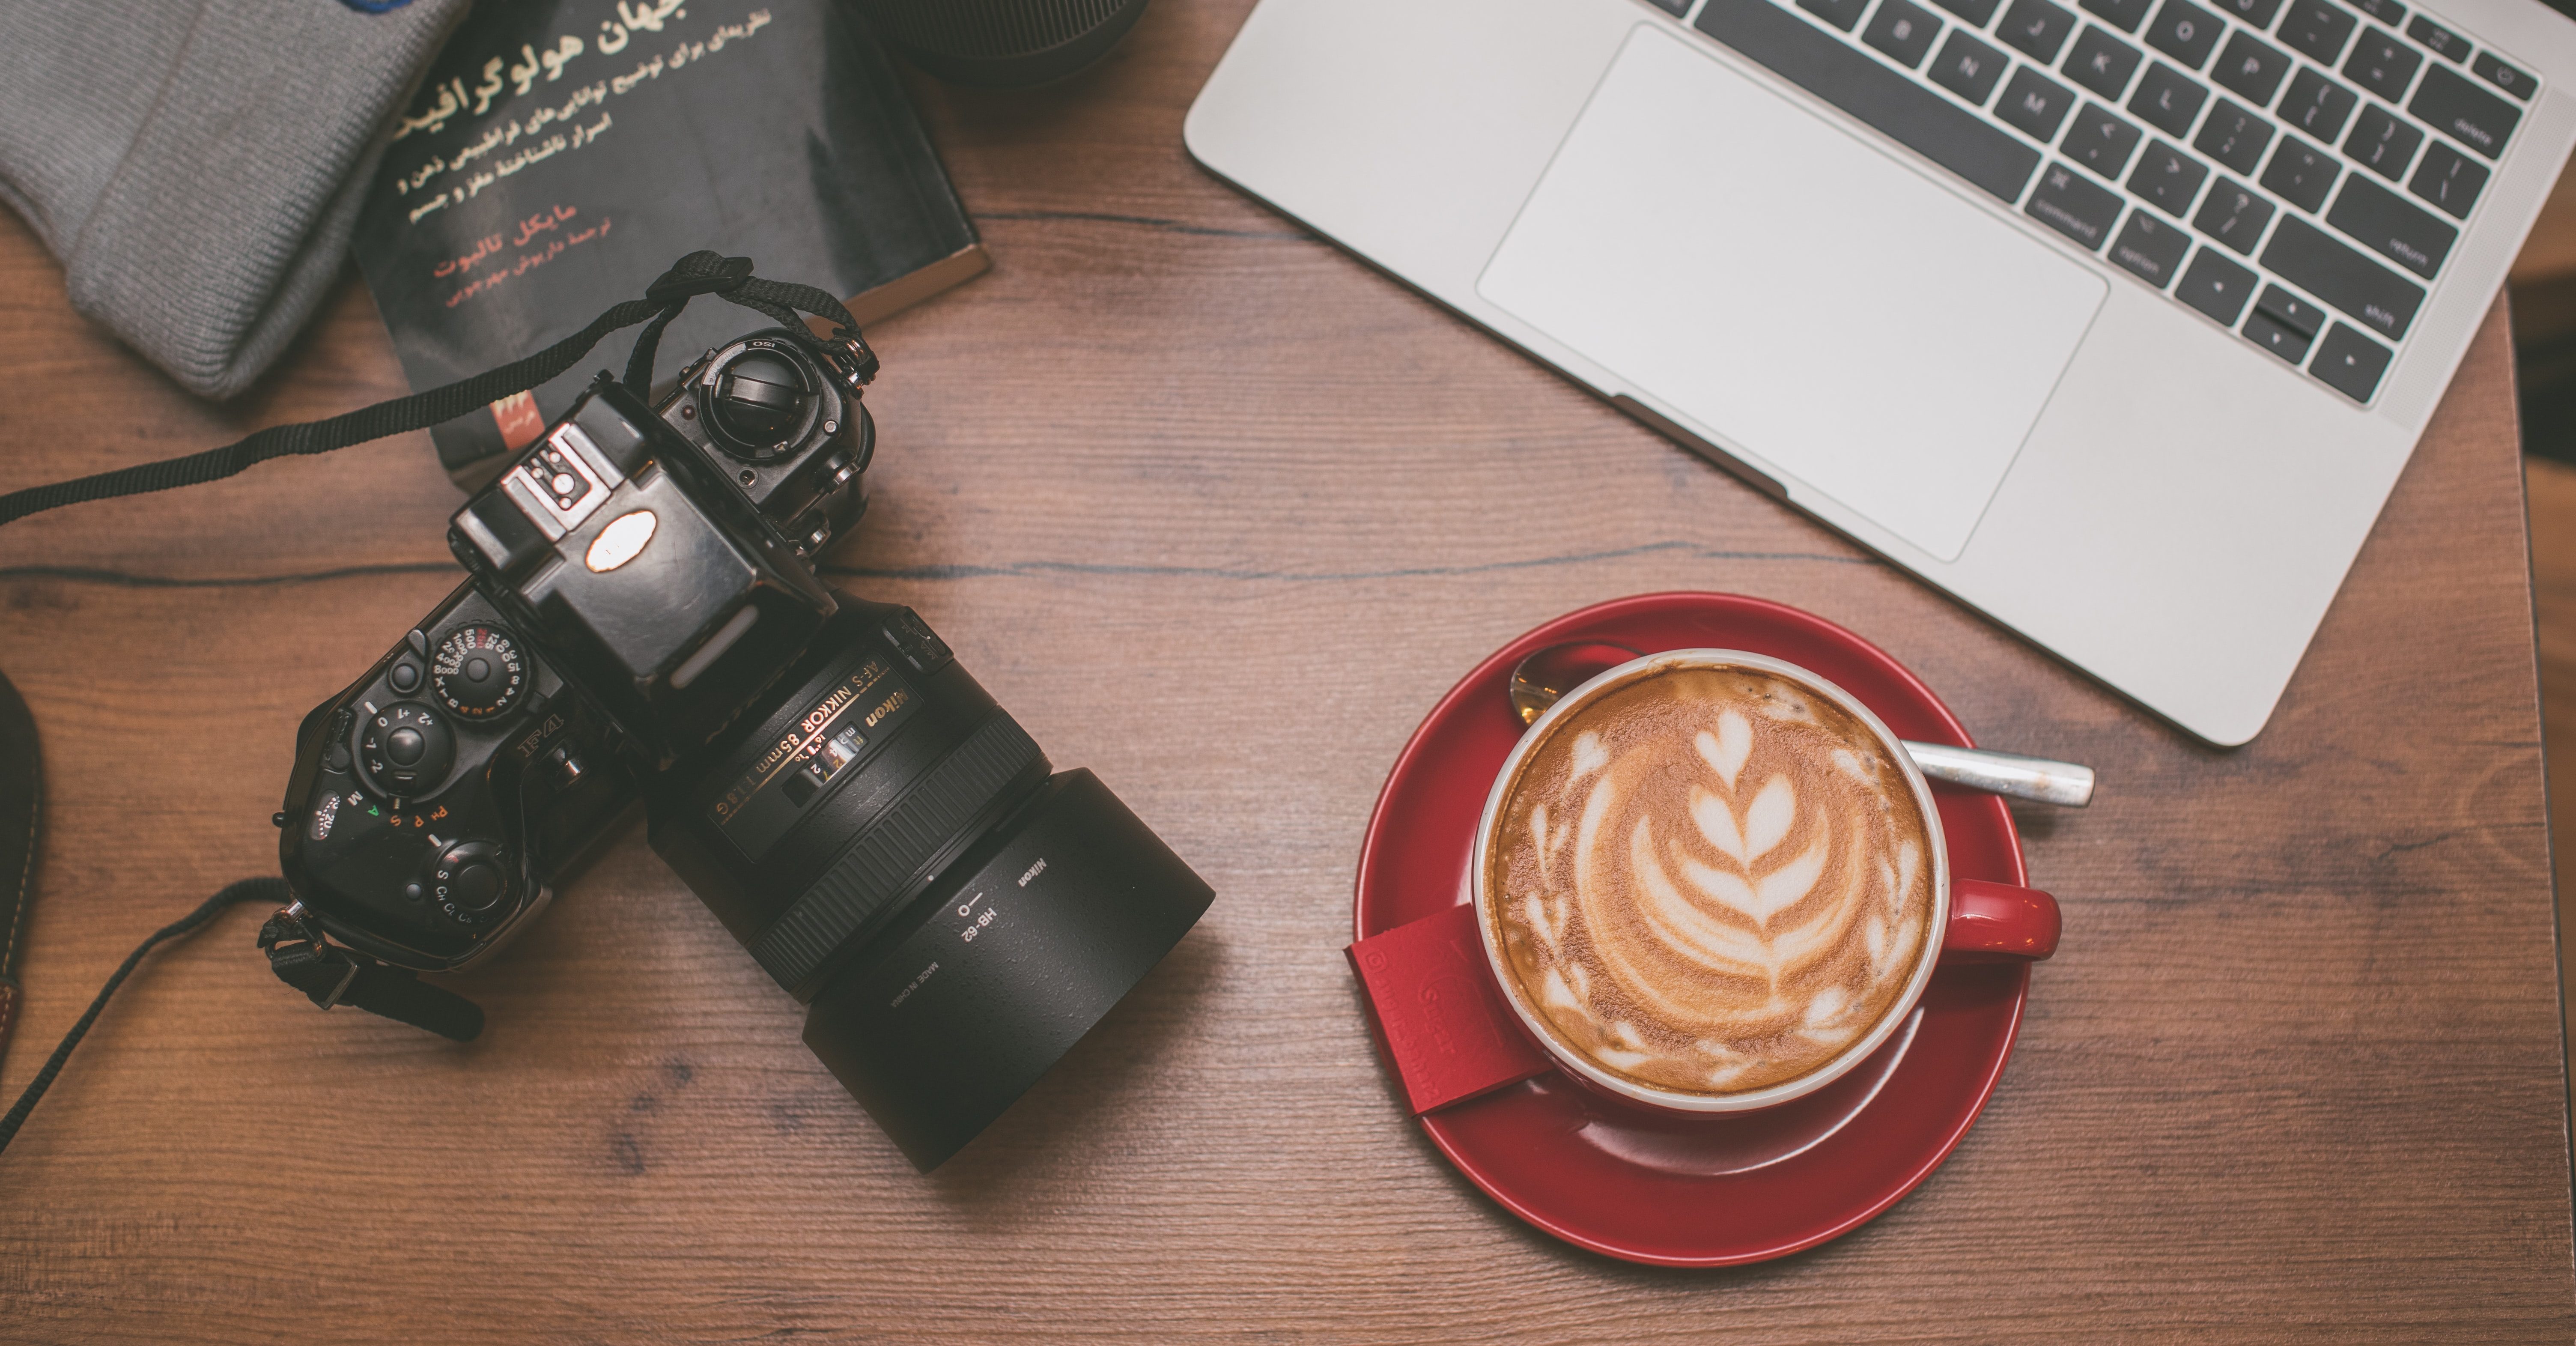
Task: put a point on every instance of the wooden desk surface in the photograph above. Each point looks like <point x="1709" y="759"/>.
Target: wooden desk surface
<point x="1219" y="512"/>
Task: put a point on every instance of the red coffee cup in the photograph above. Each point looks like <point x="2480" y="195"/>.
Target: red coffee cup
<point x="1978" y="921"/>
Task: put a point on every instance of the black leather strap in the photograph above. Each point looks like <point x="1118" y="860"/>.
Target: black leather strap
<point x="331" y="976"/>
<point x="21" y="809"/>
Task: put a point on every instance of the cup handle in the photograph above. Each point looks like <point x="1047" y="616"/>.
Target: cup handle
<point x="1997" y="922"/>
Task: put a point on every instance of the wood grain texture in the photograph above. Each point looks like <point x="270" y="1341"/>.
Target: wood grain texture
<point x="2551" y="495"/>
<point x="1219" y="513"/>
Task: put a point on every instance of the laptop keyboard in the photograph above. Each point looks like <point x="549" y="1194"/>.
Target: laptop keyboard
<point x="2295" y="170"/>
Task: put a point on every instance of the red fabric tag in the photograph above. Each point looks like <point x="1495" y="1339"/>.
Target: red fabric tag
<point x="1448" y="1034"/>
<point x="519" y="419"/>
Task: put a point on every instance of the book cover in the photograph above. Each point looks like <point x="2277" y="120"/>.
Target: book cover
<point x="561" y="153"/>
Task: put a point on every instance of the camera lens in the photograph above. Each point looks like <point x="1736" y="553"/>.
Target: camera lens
<point x="895" y="850"/>
<point x="758" y="403"/>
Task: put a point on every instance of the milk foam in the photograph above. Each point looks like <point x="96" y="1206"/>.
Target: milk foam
<point x="1710" y="881"/>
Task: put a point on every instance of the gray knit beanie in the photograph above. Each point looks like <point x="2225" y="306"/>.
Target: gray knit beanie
<point x="196" y="165"/>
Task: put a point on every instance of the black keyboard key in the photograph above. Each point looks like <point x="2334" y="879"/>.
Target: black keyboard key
<point x="2442" y="41"/>
<point x="2185" y="32"/>
<point x="2392" y="226"/>
<point x="1977" y="12"/>
<point x="2485" y="66"/>
<point x="2124" y="15"/>
<point x="2318" y="105"/>
<point x="2254" y="14"/>
<point x="2350" y="363"/>
<point x="2382" y="64"/>
<point x="2311" y="259"/>
<point x="2316" y="29"/>
<point x="2381" y="143"/>
<point x="1903" y="30"/>
<point x="2168" y="99"/>
<point x="2101" y="142"/>
<point x="2233" y="215"/>
<point x="2290" y="311"/>
<point x="2269" y="333"/>
<point x="2036" y="27"/>
<point x="2216" y="286"/>
<point x="1676" y="8"/>
<point x="2074" y="205"/>
<point x="1968" y="68"/>
<point x="2301" y="173"/>
<point x="2450" y="180"/>
<point x="2035" y="104"/>
<point x="2251" y="67"/>
<point x="2101" y="62"/>
<point x="2168" y="179"/>
<point x="2386" y="11"/>
<point x="2233" y="136"/>
<point x="1840" y="13"/>
<point x="1853" y="80"/>
<point x="2150" y="247"/>
<point x="2451" y="104"/>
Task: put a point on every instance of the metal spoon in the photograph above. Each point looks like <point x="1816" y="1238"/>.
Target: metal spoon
<point x="1552" y="672"/>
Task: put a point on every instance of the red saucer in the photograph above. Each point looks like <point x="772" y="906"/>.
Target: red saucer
<point x="1651" y="1186"/>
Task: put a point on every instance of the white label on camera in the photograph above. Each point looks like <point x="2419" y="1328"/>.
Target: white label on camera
<point x="621" y="541"/>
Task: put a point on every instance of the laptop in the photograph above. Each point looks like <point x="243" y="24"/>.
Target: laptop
<point x="2114" y="319"/>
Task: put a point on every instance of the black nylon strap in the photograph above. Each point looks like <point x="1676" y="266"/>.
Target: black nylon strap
<point x="330" y="976"/>
<point x="772" y="299"/>
<point x="639" y="361"/>
<point x="248" y="890"/>
<point x="697" y="273"/>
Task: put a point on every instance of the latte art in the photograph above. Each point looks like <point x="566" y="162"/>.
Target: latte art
<point x="1710" y="880"/>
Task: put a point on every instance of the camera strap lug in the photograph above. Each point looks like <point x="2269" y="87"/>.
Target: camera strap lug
<point x="330" y="976"/>
<point x="857" y="363"/>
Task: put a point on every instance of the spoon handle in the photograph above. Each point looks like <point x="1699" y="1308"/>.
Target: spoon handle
<point x="2004" y="773"/>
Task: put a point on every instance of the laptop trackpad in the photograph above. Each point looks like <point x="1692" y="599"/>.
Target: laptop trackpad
<point x="1820" y="305"/>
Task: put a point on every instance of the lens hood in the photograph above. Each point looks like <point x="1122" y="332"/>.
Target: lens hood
<point x="998" y="970"/>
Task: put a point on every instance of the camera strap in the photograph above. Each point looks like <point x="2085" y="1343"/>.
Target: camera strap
<point x="729" y="278"/>
<point x="247" y="890"/>
<point x="302" y="957"/>
<point x="331" y="976"/>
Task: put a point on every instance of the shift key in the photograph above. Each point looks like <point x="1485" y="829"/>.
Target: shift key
<point x="2375" y="296"/>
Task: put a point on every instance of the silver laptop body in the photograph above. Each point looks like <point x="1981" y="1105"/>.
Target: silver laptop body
<point x="2115" y="319"/>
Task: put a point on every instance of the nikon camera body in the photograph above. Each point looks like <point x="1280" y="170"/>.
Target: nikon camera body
<point x="642" y="621"/>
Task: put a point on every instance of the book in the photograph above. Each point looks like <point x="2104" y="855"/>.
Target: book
<point x="561" y="154"/>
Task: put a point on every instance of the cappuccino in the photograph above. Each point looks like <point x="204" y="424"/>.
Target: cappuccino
<point x="1710" y="880"/>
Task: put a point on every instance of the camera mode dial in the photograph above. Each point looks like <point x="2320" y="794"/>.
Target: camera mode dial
<point x="405" y="749"/>
<point x="478" y="672"/>
<point x="468" y="879"/>
<point x="757" y="404"/>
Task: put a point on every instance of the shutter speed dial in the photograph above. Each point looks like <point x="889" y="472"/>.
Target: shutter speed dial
<point x="478" y="672"/>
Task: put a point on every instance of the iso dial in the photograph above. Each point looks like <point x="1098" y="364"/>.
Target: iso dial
<point x="478" y="672"/>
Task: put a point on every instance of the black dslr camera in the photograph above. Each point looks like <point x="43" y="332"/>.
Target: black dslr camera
<point x="642" y="621"/>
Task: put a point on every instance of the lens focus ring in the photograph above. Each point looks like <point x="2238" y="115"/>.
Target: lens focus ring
<point x="886" y="860"/>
